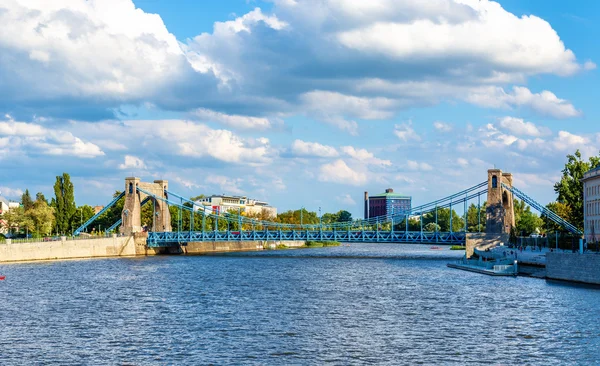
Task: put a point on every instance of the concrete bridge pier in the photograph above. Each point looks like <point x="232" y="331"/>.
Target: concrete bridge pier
<point x="500" y="214"/>
<point x="132" y="210"/>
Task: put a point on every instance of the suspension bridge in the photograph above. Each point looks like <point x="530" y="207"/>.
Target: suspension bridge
<point x="205" y="224"/>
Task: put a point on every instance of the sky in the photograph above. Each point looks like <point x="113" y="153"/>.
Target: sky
<point x="299" y="103"/>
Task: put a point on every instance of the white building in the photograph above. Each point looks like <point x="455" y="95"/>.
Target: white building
<point x="225" y="203"/>
<point x="5" y="205"/>
<point x="591" y="205"/>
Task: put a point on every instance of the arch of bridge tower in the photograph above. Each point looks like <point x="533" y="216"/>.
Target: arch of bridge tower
<point x="500" y="214"/>
<point x="132" y="210"/>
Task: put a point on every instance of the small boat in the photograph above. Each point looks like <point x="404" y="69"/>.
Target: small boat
<point x="436" y="248"/>
<point x="2" y="278"/>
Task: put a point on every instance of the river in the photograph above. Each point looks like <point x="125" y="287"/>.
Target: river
<point x="359" y="304"/>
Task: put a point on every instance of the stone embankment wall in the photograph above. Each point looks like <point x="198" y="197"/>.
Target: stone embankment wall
<point x="121" y="246"/>
<point x="116" y="246"/>
<point x="236" y="246"/>
<point x="483" y="240"/>
<point x="576" y="267"/>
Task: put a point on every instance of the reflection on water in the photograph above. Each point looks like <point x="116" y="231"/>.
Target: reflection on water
<point x="366" y="303"/>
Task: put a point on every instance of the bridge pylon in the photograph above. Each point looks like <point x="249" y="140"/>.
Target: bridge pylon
<point x="132" y="210"/>
<point x="500" y="214"/>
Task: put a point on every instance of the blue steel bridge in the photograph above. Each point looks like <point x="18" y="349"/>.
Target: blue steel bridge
<point x="383" y="229"/>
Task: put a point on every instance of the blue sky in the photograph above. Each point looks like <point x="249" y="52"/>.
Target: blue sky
<point x="300" y="103"/>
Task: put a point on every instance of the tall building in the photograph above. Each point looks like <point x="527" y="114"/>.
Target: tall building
<point x="224" y="203"/>
<point x="591" y="205"/>
<point x="388" y="203"/>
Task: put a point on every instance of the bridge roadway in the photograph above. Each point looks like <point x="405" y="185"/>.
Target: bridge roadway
<point x="168" y="239"/>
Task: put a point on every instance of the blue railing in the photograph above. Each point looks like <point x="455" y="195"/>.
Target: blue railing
<point x="167" y="239"/>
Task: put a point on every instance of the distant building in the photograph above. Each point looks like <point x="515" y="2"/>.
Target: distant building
<point x="225" y="203"/>
<point x="388" y="203"/>
<point x="591" y="205"/>
<point x="5" y="206"/>
<point x="97" y="209"/>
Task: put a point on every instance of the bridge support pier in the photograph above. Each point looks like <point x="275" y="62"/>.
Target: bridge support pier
<point x="132" y="210"/>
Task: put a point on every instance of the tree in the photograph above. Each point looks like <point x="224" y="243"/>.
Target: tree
<point x="431" y="227"/>
<point x="561" y="209"/>
<point x="13" y="218"/>
<point x="526" y="222"/>
<point x="476" y="218"/>
<point x="344" y="216"/>
<point x="570" y="187"/>
<point x="26" y="200"/>
<point x="40" y="197"/>
<point x="64" y="202"/>
<point x="82" y="214"/>
<point x="42" y="217"/>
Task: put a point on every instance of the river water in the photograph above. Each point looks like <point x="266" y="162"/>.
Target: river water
<point x="357" y="304"/>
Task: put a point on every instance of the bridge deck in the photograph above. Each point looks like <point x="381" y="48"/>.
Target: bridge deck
<point x="166" y="239"/>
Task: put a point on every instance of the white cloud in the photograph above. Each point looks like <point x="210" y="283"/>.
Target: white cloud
<point x="545" y="103"/>
<point x="528" y="44"/>
<point x="24" y="138"/>
<point x="442" y="126"/>
<point x="589" y="65"/>
<point x="415" y="165"/>
<point x="306" y="149"/>
<point x="406" y="133"/>
<point x="227" y="185"/>
<point x="520" y="127"/>
<point x="364" y="156"/>
<point x="346" y="199"/>
<point x="462" y="162"/>
<point x="91" y="50"/>
<point x="197" y="140"/>
<point x="339" y="172"/>
<point x="11" y="192"/>
<point x="132" y="162"/>
<point x="234" y="121"/>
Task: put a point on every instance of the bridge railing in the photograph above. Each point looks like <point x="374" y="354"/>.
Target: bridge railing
<point x="162" y="239"/>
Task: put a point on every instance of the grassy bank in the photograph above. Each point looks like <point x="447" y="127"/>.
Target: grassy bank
<point x="319" y="244"/>
<point x="457" y="247"/>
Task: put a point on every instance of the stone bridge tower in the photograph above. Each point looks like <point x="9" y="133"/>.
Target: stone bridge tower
<point x="132" y="210"/>
<point x="500" y="214"/>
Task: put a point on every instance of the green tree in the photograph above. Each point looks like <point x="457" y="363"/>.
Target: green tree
<point x="526" y="221"/>
<point x="570" y="187"/>
<point x="42" y="217"/>
<point x="40" y="197"/>
<point x="64" y="202"/>
<point x="82" y="214"/>
<point x="13" y="218"/>
<point x="344" y="216"/>
<point x="26" y="200"/>
<point x="476" y="218"/>
<point x="561" y="209"/>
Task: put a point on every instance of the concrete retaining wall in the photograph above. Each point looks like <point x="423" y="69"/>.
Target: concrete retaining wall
<point x="475" y="240"/>
<point x="573" y="267"/>
<point x="68" y="249"/>
<point x="236" y="246"/>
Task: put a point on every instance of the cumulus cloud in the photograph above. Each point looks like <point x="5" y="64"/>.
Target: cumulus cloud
<point x="132" y="162"/>
<point x="105" y="52"/>
<point x="415" y="165"/>
<point x="545" y="103"/>
<point x="520" y="127"/>
<point x="339" y="172"/>
<point x="406" y="133"/>
<point x="314" y="149"/>
<point x="346" y="199"/>
<point x="30" y="138"/>
<point x="364" y="156"/>
<point x="11" y="192"/>
<point x="234" y="121"/>
<point x="226" y="184"/>
<point x="442" y="126"/>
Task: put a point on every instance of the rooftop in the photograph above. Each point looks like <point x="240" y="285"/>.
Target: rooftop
<point x="592" y="173"/>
